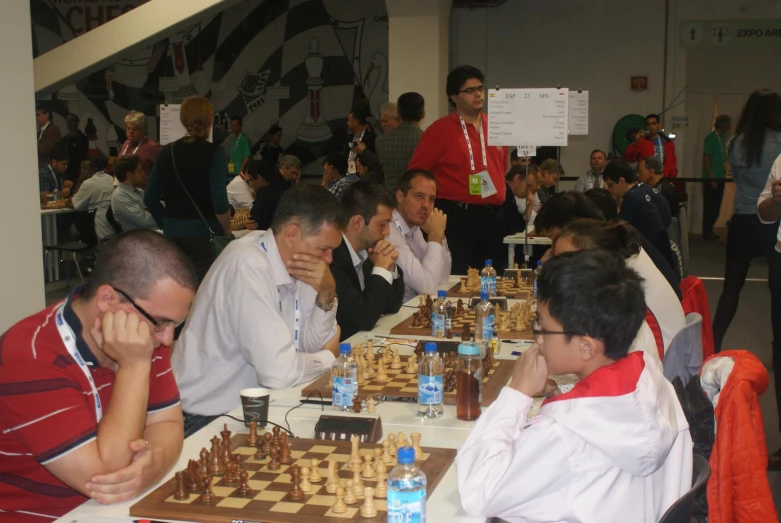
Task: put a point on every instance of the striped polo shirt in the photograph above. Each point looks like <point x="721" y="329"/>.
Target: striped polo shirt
<point x="47" y="410"/>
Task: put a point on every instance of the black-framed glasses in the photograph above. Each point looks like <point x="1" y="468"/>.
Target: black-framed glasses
<point x="609" y="184"/>
<point x="158" y="325"/>
<point x="473" y="90"/>
<point x="537" y="331"/>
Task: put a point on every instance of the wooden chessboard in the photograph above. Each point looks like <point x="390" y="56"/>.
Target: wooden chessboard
<point x="504" y="287"/>
<point x="268" y="501"/>
<point x="405" y="328"/>
<point x="402" y="386"/>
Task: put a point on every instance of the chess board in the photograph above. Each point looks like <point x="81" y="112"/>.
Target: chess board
<point x="268" y="501"/>
<point x="402" y="386"/>
<point x="405" y="328"/>
<point x="504" y="287"/>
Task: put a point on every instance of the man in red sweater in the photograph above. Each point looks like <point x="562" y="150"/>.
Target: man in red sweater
<point x="653" y="143"/>
<point x="469" y="172"/>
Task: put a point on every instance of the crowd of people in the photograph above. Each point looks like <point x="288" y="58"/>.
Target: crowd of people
<point x="395" y="215"/>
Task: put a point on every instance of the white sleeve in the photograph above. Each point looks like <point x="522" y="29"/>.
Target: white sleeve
<point x="81" y="199"/>
<point x="767" y="192"/>
<point x="385" y="274"/>
<point x="239" y="198"/>
<point x="320" y="327"/>
<point x="520" y="204"/>
<point x="447" y="263"/>
<point x="423" y="276"/>
<point x="505" y="470"/>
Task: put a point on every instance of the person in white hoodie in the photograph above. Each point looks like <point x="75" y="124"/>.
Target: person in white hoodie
<point x="616" y="448"/>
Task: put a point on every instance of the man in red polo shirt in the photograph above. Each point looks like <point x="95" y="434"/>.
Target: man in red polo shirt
<point x="470" y="173"/>
<point x="89" y="407"/>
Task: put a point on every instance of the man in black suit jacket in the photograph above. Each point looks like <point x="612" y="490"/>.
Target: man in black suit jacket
<point x="368" y="281"/>
<point x="267" y="198"/>
<point x="358" y="128"/>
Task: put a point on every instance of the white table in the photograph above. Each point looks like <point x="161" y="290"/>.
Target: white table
<point x="49" y="227"/>
<point x="520" y="239"/>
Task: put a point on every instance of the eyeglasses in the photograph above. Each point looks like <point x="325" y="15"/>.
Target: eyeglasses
<point x="473" y="90"/>
<point x="538" y="332"/>
<point x="158" y="325"/>
<point x="609" y="184"/>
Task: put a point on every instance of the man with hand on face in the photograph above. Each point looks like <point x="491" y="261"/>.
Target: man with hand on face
<point x="265" y="315"/>
<point x="368" y="282"/>
<point x="425" y="261"/>
<point x="566" y="464"/>
<point x="88" y="401"/>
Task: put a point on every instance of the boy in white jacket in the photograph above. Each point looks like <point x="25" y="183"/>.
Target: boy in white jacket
<point x="616" y="448"/>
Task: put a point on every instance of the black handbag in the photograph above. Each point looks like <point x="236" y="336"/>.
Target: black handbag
<point x="218" y="243"/>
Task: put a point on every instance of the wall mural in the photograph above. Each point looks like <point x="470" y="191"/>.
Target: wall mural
<point x="301" y="64"/>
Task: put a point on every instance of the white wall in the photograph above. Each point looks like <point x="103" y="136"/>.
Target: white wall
<point x="21" y="264"/>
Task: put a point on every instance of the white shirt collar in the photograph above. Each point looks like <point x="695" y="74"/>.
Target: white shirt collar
<point x="357" y="257"/>
<point x="401" y="224"/>
<point x="268" y="243"/>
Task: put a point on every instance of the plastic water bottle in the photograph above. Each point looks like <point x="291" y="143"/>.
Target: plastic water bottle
<point x="406" y="490"/>
<point x="430" y="385"/>
<point x="535" y="276"/>
<point x="344" y="379"/>
<point x="488" y="279"/>
<point x="484" y="320"/>
<point x="440" y="316"/>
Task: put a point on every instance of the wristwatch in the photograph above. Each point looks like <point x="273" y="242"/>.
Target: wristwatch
<point x="328" y="307"/>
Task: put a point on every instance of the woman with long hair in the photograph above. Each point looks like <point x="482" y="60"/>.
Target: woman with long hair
<point x="190" y="175"/>
<point x="756" y="145"/>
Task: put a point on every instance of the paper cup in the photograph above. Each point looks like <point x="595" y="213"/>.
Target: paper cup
<point x="255" y="402"/>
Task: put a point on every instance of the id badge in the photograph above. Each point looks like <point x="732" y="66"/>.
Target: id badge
<point x="230" y="167"/>
<point x="487" y="187"/>
<point x="727" y="170"/>
<point x="351" y="168"/>
<point x="475" y="185"/>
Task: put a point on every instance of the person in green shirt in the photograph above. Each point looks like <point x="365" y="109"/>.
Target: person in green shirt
<point x="240" y="148"/>
<point x="714" y="167"/>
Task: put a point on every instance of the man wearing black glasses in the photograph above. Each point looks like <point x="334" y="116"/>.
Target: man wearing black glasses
<point x="88" y="402"/>
<point x="470" y="173"/>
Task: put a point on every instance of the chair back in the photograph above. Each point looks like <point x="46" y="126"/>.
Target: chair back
<point x="113" y="221"/>
<point x="695" y="299"/>
<point x="85" y="225"/>
<point x="681" y="511"/>
<point x="684" y="356"/>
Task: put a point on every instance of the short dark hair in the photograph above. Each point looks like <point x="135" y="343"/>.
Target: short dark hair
<point x="337" y="161"/>
<point x="136" y="260"/>
<point x="405" y="182"/>
<point x="572" y="283"/>
<point x="59" y="153"/>
<point x="274" y="129"/>
<point x="562" y="208"/>
<point x="410" y="107"/>
<point x="619" y="169"/>
<point x="653" y="115"/>
<point x="78" y="120"/>
<point x="253" y="168"/>
<point x="236" y="119"/>
<point x="310" y="207"/>
<point x="597" y="151"/>
<point x="458" y="77"/>
<point x="517" y="169"/>
<point x="125" y="165"/>
<point x="359" y="115"/>
<point x="97" y="163"/>
<point x="363" y="198"/>
<point x="722" y="120"/>
<point x="602" y="198"/>
<point x="43" y="109"/>
<point x="588" y="233"/>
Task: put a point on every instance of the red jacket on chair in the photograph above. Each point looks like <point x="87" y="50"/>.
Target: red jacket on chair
<point x="695" y="299"/>
<point x="641" y="150"/>
<point x="738" y="489"/>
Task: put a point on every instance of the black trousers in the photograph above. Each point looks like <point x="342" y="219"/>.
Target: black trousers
<point x="747" y="238"/>
<point x="474" y="234"/>
<point x="711" y="205"/>
<point x="774" y="281"/>
<point x="200" y="252"/>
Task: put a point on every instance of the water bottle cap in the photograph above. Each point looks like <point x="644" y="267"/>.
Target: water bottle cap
<point x="441" y="294"/>
<point x="431" y="347"/>
<point x="468" y="349"/>
<point x="405" y="455"/>
<point x="539" y="263"/>
<point x="488" y="263"/>
<point x="345" y="348"/>
<point x="483" y="295"/>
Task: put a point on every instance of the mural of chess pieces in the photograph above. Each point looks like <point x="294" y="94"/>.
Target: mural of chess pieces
<point x="314" y="128"/>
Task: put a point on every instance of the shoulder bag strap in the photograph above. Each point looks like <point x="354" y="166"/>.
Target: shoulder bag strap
<point x="176" y="172"/>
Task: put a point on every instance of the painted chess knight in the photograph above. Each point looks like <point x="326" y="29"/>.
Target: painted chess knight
<point x="252" y="88"/>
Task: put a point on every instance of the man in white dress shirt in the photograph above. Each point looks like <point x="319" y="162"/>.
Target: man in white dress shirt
<point x="426" y="264"/>
<point x="265" y="315"/>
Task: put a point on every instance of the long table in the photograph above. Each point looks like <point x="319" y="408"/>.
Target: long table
<point x="520" y="239"/>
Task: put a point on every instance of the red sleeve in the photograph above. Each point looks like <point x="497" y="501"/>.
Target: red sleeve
<point x="632" y="153"/>
<point x="163" y="391"/>
<point x="45" y="409"/>
<point x="427" y="152"/>
<point x="673" y="167"/>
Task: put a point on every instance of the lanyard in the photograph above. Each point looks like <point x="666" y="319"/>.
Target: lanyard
<point x="469" y="144"/>
<point x="69" y="339"/>
<point x="235" y="144"/>
<point x="297" y="313"/>
<point x="124" y="149"/>
<point x="723" y="146"/>
<point x="56" y="181"/>
<point x="661" y="147"/>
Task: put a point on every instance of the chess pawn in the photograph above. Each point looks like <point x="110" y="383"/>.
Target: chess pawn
<point x="377" y="457"/>
<point x="371" y="405"/>
<point x="392" y="447"/>
<point x="332" y="483"/>
<point x="386" y="456"/>
<point x="314" y="474"/>
<point x="274" y="463"/>
<point x="203" y="464"/>
<point x="396" y="364"/>
<point x="349" y="496"/>
<point x="368" y="510"/>
<point x="381" y="490"/>
<point x="244" y="487"/>
<point x="296" y="493"/>
<point x="306" y="485"/>
<point x="368" y="471"/>
<point x="401" y="440"/>
<point x="208" y="493"/>
<point x="382" y="374"/>
<point x="340" y="507"/>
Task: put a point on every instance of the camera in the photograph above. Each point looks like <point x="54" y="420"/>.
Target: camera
<point x="352" y="145"/>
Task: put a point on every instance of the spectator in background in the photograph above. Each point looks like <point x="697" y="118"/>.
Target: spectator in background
<point x="365" y="172"/>
<point x="715" y="166"/>
<point x="389" y="118"/>
<point x="240" y="148"/>
<point x="267" y="198"/>
<point x="191" y="174"/>
<point x="523" y="161"/>
<point x="652" y="172"/>
<point x="49" y="135"/>
<point x="335" y="177"/>
<point x="653" y="143"/>
<point x="94" y="192"/>
<point x="243" y="188"/>
<point x="51" y="177"/>
<point x="751" y="152"/>
<point x="139" y="143"/>
<point x="523" y="201"/>
<point x="549" y="177"/>
<point x="593" y="177"/>
<point x="127" y="202"/>
<point x="396" y="149"/>
<point x="272" y="152"/>
<point x="360" y="133"/>
<point x="76" y="144"/>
